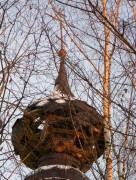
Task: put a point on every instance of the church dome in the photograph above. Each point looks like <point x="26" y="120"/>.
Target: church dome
<point x="59" y="129"/>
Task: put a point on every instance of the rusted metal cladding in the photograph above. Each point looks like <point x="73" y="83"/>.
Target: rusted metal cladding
<point x="59" y="126"/>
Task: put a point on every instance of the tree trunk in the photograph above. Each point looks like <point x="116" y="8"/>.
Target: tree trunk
<point x="106" y="98"/>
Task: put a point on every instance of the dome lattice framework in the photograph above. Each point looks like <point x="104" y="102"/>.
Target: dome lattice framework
<point x="58" y="125"/>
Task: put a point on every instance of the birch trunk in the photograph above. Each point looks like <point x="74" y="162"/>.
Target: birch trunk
<point x="106" y="98"/>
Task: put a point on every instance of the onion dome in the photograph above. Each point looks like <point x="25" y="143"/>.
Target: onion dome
<point x="60" y="129"/>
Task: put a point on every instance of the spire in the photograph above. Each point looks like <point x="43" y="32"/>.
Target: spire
<point x="61" y="82"/>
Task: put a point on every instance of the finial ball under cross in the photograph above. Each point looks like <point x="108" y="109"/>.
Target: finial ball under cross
<point x="62" y="53"/>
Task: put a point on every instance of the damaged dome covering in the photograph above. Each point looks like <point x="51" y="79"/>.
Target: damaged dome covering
<point x="59" y="124"/>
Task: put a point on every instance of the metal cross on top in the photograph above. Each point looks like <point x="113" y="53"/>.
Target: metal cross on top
<point x="61" y="82"/>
